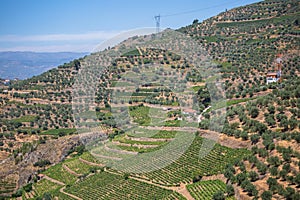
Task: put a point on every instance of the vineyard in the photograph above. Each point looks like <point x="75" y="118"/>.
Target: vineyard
<point x="58" y="172"/>
<point x="78" y="166"/>
<point x="189" y="164"/>
<point x="126" y="146"/>
<point x="91" y="182"/>
<point x="44" y="186"/>
<point x="204" y="190"/>
<point x="140" y="115"/>
<point x="7" y="187"/>
<point x="158" y="134"/>
<point x="63" y="196"/>
<point x="137" y="140"/>
<point x="88" y="157"/>
<point x="110" y="186"/>
<point x="140" y="137"/>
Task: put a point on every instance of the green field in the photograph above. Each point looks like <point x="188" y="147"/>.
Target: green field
<point x="223" y="104"/>
<point x="88" y="157"/>
<point x="123" y="139"/>
<point x="141" y="132"/>
<point x="57" y="172"/>
<point x="45" y="186"/>
<point x="138" y="149"/>
<point x="65" y="131"/>
<point x="78" y="167"/>
<point x="27" y="118"/>
<point x="133" y="52"/>
<point x="139" y="115"/>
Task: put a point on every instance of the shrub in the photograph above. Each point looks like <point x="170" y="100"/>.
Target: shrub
<point x="28" y="187"/>
<point x="197" y="178"/>
<point x="266" y="195"/>
<point x="255" y="138"/>
<point x="272" y="182"/>
<point x="229" y="190"/>
<point x="126" y="176"/>
<point x="42" y="163"/>
<point x="219" y="196"/>
<point x="254" y="112"/>
<point x="18" y="193"/>
<point x="253" y="176"/>
<point x="297" y="180"/>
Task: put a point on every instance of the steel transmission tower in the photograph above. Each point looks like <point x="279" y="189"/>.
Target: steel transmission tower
<point x="157" y="19"/>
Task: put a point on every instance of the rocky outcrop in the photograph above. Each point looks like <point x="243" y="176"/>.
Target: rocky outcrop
<point x="53" y="150"/>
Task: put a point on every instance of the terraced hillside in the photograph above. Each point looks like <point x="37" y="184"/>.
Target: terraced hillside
<point x="246" y="41"/>
<point x="140" y="120"/>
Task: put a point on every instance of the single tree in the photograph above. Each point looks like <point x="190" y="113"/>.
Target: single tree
<point x="266" y="195"/>
<point x="253" y="176"/>
<point x="219" y="196"/>
<point x="229" y="190"/>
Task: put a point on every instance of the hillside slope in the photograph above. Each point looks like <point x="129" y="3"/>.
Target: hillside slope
<point x="244" y="43"/>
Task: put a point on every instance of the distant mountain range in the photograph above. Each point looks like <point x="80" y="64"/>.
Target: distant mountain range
<point x="24" y="65"/>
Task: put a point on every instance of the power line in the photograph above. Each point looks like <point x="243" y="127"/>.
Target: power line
<point x="197" y="10"/>
<point x="157" y="17"/>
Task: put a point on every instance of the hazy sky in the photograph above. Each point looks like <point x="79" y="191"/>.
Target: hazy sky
<point x="79" y="25"/>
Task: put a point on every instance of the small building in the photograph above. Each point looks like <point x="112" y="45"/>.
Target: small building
<point x="179" y="118"/>
<point x="273" y="77"/>
<point x="40" y="176"/>
<point x="189" y="113"/>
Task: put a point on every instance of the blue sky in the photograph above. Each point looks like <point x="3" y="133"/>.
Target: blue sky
<point x="79" y="25"/>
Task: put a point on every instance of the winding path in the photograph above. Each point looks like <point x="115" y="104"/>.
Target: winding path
<point x="71" y="171"/>
<point x="53" y="180"/>
<point x="107" y="157"/>
<point x="181" y="189"/>
<point x="91" y="163"/>
<point x="61" y="189"/>
<point x="71" y="195"/>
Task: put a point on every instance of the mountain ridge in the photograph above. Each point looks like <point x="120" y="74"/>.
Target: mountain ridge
<point x="25" y="64"/>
